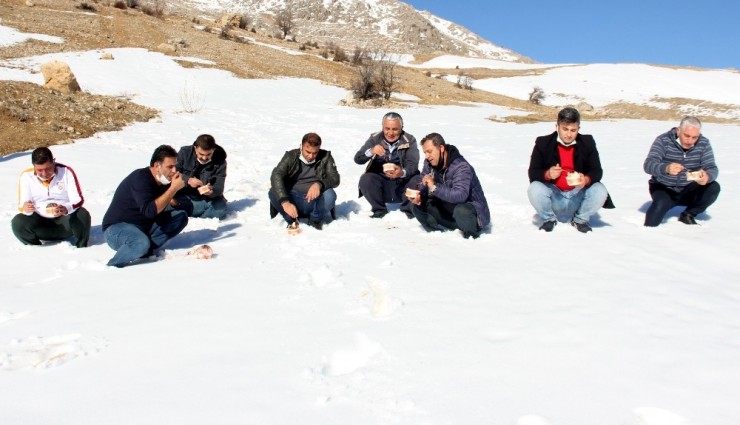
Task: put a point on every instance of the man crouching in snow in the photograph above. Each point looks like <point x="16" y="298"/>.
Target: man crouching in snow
<point x="138" y="221"/>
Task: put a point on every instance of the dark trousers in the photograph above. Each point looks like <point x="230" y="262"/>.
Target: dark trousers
<point x="32" y="229"/>
<point x="380" y="190"/>
<point x="695" y="197"/>
<point x="434" y="216"/>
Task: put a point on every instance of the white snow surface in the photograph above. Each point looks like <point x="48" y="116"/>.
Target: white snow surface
<point x="368" y="321"/>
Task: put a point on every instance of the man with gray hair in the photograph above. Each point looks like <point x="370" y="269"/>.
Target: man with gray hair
<point x="683" y="170"/>
<point x="392" y="159"/>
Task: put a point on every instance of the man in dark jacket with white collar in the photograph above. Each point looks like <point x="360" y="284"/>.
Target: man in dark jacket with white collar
<point x="565" y="175"/>
<point x="303" y="182"/>
<point x="451" y="196"/>
<point x="203" y="167"/>
<point x="392" y="159"/>
<point x="681" y="163"/>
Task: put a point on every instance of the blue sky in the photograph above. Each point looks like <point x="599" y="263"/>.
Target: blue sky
<point x="703" y="33"/>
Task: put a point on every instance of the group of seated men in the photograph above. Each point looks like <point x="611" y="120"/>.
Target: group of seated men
<point x="152" y="204"/>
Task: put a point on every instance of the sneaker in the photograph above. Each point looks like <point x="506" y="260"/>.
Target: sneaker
<point x="548" y="225"/>
<point x="582" y="227"/>
<point x="686" y="218"/>
<point x="315" y="224"/>
<point x="379" y="214"/>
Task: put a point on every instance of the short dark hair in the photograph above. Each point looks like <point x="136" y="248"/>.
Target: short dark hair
<point x="569" y="116"/>
<point x="435" y="138"/>
<point x="312" y="139"/>
<point x="205" y="142"/>
<point x="162" y="152"/>
<point x="41" y="156"/>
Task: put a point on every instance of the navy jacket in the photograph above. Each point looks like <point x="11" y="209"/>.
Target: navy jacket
<point x="214" y="172"/>
<point x="457" y="183"/>
<point x="133" y="201"/>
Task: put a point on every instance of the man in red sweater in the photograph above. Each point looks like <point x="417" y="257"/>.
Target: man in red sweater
<point x="565" y="175"/>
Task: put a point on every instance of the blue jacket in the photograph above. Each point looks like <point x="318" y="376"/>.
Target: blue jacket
<point x="667" y="149"/>
<point x="457" y="183"/>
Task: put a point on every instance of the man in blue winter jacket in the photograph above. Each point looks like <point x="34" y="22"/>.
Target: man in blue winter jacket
<point x="450" y="196"/>
<point x="681" y="163"/>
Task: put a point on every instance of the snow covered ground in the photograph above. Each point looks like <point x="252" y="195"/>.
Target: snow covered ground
<point x="368" y="321"/>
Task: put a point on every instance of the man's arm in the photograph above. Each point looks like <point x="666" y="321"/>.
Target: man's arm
<point x="360" y="156"/>
<point x="331" y="178"/>
<point x="411" y="160"/>
<point x="219" y="180"/>
<point x="164" y="199"/>
<point x="73" y="191"/>
<point x="537" y="167"/>
<point x="593" y="172"/>
<point x="655" y="164"/>
<point x="461" y="177"/>
<point x="277" y="178"/>
<point x="708" y="164"/>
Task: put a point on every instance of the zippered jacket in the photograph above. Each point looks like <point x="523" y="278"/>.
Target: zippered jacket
<point x="285" y="174"/>
<point x="666" y="149"/>
<point x="63" y="189"/>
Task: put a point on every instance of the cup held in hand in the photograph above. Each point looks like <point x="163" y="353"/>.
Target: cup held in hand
<point x="574" y="178"/>
<point x="693" y="175"/>
<point x="388" y="166"/>
<point x="412" y="193"/>
<point x="204" y="189"/>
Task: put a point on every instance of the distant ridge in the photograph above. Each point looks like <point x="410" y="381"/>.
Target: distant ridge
<point x="388" y="25"/>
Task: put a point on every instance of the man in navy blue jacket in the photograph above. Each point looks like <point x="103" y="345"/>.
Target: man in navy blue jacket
<point x="681" y="163"/>
<point x="451" y="196"/>
<point x="138" y="221"/>
<point x="565" y="175"/>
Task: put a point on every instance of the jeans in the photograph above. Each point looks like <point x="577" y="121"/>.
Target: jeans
<point x="198" y="206"/>
<point x="131" y="243"/>
<point x="318" y="210"/>
<point x="379" y="190"/>
<point x="578" y="204"/>
<point x="695" y="197"/>
<point x="432" y="217"/>
<point x="32" y="229"/>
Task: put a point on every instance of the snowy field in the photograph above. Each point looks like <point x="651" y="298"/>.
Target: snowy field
<point x="368" y="321"/>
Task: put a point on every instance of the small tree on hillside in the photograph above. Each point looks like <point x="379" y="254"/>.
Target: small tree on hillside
<point x="537" y="95"/>
<point x="386" y="77"/>
<point x="284" y="21"/>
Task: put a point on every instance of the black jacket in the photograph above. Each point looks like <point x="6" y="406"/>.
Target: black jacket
<point x="214" y="172"/>
<point x="585" y="159"/>
<point x="285" y="174"/>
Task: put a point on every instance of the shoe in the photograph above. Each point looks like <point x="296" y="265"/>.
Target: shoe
<point x="548" y="225"/>
<point x="582" y="227"/>
<point x="315" y="224"/>
<point x="686" y="218"/>
<point x="409" y="215"/>
<point x="379" y="214"/>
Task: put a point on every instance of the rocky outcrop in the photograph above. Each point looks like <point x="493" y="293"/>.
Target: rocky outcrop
<point x="58" y="76"/>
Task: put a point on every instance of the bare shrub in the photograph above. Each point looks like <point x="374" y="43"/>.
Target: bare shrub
<point x="428" y="73"/>
<point x="359" y="55"/>
<point x="464" y="81"/>
<point x="363" y="87"/>
<point x="375" y="77"/>
<point x="387" y="80"/>
<point x="284" y="21"/>
<point x="191" y="101"/>
<point x="340" y="55"/>
<point x="120" y="4"/>
<point x="86" y="6"/>
<point x="537" y="95"/>
<point x="243" y="21"/>
<point x="155" y="9"/>
<point x="132" y="3"/>
<point x="324" y="53"/>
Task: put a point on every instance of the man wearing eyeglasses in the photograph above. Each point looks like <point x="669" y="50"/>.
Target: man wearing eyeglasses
<point x="50" y="203"/>
<point x="392" y="159"/>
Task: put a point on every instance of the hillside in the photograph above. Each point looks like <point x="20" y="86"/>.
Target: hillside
<point x="30" y="115"/>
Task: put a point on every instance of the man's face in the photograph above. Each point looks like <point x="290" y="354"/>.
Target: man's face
<point x="167" y="167"/>
<point x="392" y="130"/>
<point x="309" y="152"/>
<point x="44" y="171"/>
<point x="433" y="154"/>
<point x="567" y="132"/>
<point x="688" y="136"/>
<point x="203" y="155"/>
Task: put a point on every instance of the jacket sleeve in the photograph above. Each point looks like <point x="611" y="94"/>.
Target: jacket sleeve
<point x="74" y="191"/>
<point x="330" y="179"/>
<point x="218" y="181"/>
<point x="459" y="191"/>
<point x="708" y="164"/>
<point x="655" y="163"/>
<point x="593" y="162"/>
<point x="277" y="178"/>
<point x="180" y="166"/>
<point x="24" y="192"/>
<point x="411" y="160"/>
<point x="360" y="157"/>
<point x="537" y="165"/>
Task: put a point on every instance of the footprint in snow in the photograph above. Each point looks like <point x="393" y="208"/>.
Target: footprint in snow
<point x="46" y="352"/>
